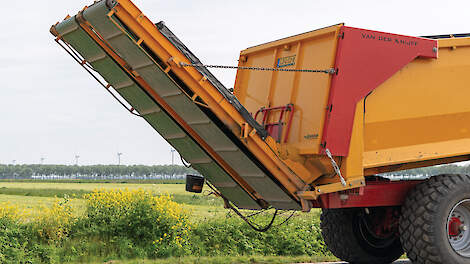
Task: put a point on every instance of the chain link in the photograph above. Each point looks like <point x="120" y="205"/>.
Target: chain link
<point x="327" y="71"/>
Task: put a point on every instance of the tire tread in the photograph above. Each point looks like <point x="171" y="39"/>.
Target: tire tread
<point x="341" y="240"/>
<point x="417" y="217"/>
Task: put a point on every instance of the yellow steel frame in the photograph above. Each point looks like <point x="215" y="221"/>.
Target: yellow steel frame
<point x="289" y="173"/>
<point x="309" y="94"/>
<point x="367" y="155"/>
<point x="375" y="146"/>
<point x="140" y="25"/>
<point x="88" y="28"/>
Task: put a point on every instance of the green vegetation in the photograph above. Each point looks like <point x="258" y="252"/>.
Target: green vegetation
<point x="158" y="188"/>
<point x="30" y="206"/>
<point x="78" y="190"/>
<point x="232" y="260"/>
<point x="124" y="214"/>
<point x="43" y="192"/>
<point x="179" y="198"/>
<point x="95" y="181"/>
<point x="94" y="172"/>
<point x="138" y="223"/>
<point x="149" y="174"/>
<point x="434" y="170"/>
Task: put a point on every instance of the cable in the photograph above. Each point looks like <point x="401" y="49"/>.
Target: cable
<point x="89" y="69"/>
<point x="245" y="218"/>
<point x="185" y="163"/>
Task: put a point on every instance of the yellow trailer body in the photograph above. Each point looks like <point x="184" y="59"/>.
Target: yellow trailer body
<point x="311" y="114"/>
<point x="312" y="120"/>
<point x="420" y="115"/>
<point x="417" y="117"/>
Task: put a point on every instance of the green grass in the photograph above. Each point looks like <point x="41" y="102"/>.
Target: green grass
<point x="32" y="196"/>
<point x="31" y="205"/>
<point x="60" y="193"/>
<point x="77" y="190"/>
<point x="231" y="260"/>
<point x="212" y="207"/>
<point x="160" y="188"/>
<point x="182" y="198"/>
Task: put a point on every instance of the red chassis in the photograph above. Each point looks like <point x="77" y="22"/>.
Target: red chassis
<point x="376" y="193"/>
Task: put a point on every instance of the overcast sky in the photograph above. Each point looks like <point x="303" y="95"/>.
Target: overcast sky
<point x="50" y="107"/>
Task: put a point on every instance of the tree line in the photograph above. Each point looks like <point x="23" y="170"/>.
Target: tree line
<point x="107" y="172"/>
<point x="94" y="172"/>
<point x="432" y="171"/>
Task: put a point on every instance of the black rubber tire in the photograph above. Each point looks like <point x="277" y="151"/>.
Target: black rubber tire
<point x="339" y="229"/>
<point x="424" y="216"/>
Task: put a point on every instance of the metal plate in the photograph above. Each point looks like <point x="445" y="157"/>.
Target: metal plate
<point x="141" y="62"/>
<point x="153" y="114"/>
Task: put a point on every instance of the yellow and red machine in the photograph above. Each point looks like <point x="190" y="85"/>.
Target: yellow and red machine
<point x="312" y="119"/>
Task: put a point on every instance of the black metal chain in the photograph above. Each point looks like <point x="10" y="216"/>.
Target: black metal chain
<point x="327" y="71"/>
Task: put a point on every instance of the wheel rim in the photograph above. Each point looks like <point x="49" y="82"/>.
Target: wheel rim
<point x="373" y="240"/>
<point x="369" y="236"/>
<point x="458" y="228"/>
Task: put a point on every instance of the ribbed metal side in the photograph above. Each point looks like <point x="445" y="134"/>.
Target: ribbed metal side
<point x="141" y="62"/>
<point x="152" y="113"/>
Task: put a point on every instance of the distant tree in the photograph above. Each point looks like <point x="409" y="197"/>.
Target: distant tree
<point x="93" y="171"/>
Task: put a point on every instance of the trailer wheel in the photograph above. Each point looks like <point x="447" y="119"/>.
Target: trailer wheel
<point x="435" y="221"/>
<point x="359" y="235"/>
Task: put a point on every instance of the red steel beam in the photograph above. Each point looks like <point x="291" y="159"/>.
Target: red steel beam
<point x="374" y="194"/>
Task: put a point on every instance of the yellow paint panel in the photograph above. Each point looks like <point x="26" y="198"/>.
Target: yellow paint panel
<point x="422" y="112"/>
<point x="307" y="91"/>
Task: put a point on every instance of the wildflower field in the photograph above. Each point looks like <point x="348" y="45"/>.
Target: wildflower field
<point x="141" y="223"/>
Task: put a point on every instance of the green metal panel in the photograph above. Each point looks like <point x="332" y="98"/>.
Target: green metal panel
<point x="124" y="43"/>
<point x="145" y="65"/>
<point x="150" y="111"/>
<point x="139" y="100"/>
<point x="111" y="72"/>
<point x="164" y="124"/>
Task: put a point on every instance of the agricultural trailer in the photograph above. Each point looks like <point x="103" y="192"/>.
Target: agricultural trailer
<point x="310" y="123"/>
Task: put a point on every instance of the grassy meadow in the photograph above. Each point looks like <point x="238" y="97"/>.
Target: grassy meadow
<point x="58" y="222"/>
<point x="32" y="195"/>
